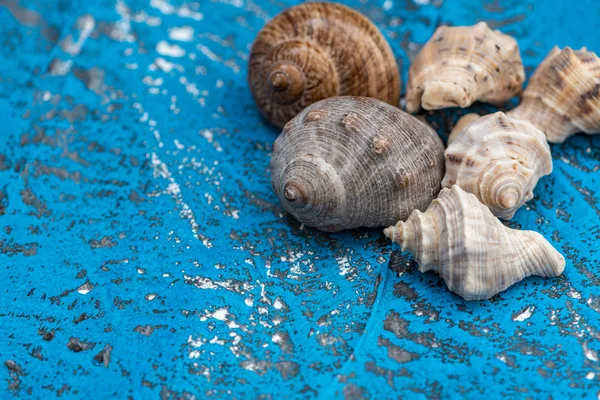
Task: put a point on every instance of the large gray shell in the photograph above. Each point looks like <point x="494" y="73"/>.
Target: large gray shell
<point x="347" y="162"/>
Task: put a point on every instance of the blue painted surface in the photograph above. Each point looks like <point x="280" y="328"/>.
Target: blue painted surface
<point x="137" y="217"/>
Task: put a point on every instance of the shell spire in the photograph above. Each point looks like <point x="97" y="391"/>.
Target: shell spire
<point x="347" y="162"/>
<point x="499" y="159"/>
<point x="460" y="65"/>
<point x="563" y="95"/>
<point x="476" y="255"/>
<point x="318" y="50"/>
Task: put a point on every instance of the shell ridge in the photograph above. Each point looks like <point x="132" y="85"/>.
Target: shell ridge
<point x="472" y="251"/>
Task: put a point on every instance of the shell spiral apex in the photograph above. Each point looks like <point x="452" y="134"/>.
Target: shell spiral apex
<point x="499" y="159"/>
<point x="563" y="95"/>
<point x="318" y="50"/>
<point x="476" y="255"/>
<point x="460" y="65"/>
<point x="347" y="162"/>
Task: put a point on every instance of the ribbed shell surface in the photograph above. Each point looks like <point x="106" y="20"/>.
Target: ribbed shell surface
<point x="460" y="65"/>
<point x="563" y="95"/>
<point x="347" y="162"/>
<point x="499" y="159"/>
<point x="336" y="52"/>
<point x="475" y="254"/>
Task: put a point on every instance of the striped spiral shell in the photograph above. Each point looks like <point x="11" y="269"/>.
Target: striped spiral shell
<point x="318" y="50"/>
<point x="347" y="162"/>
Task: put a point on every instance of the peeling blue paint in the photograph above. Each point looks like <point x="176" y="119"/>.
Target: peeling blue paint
<point x="143" y="253"/>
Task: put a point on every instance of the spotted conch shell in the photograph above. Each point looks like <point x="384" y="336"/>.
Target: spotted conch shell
<point x="347" y="162"/>
<point x="476" y="255"/>
<point x="461" y="124"/>
<point x="500" y="160"/>
<point x="563" y="95"/>
<point x="460" y="65"/>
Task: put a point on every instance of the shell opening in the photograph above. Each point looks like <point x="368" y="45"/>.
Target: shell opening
<point x="286" y="82"/>
<point x="440" y="94"/>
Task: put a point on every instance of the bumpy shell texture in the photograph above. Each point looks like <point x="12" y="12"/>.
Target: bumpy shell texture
<point x="318" y="50"/>
<point x="460" y="65"/>
<point x="500" y="160"/>
<point x="475" y="254"/>
<point x="463" y="122"/>
<point x="563" y="95"/>
<point x="347" y="162"/>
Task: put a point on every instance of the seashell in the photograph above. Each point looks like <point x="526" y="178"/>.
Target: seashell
<point x="476" y="255"/>
<point x="460" y="65"/>
<point x="347" y="162"/>
<point x="461" y="124"/>
<point x="500" y="160"/>
<point x="318" y="50"/>
<point x="563" y="95"/>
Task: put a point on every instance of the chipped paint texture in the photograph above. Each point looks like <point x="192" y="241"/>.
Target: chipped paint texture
<point x="143" y="253"/>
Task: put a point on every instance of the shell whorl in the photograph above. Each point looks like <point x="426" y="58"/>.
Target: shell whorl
<point x="460" y="65"/>
<point x="347" y="162"/>
<point x="475" y="254"/>
<point x="298" y="73"/>
<point x="318" y="50"/>
<point x="461" y="124"/>
<point x="563" y="95"/>
<point x="500" y="160"/>
<point x="314" y="190"/>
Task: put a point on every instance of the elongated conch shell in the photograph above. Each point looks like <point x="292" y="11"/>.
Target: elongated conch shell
<point x="500" y="160"/>
<point x="347" y="162"/>
<point x="460" y="65"/>
<point x="563" y="95"/>
<point x="476" y="255"/>
<point x="317" y="50"/>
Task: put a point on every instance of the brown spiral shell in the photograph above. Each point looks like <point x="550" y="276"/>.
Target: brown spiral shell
<point x="347" y="162"/>
<point x="318" y="50"/>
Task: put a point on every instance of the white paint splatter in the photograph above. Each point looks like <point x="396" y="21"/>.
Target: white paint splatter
<point x="182" y="34"/>
<point x="525" y="314"/>
<point x="152" y="82"/>
<point x="184" y="11"/>
<point x="208" y="53"/>
<point x="167" y="49"/>
<point x="573" y="294"/>
<point x="591" y="355"/>
<point x="85" y="288"/>
<point x="344" y="266"/>
<point x="220" y="314"/>
<point x="590" y="375"/>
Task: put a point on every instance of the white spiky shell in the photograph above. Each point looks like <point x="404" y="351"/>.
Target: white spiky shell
<point x="461" y="124"/>
<point x="476" y="255"/>
<point x="563" y="95"/>
<point x="500" y="160"/>
<point x="460" y="65"/>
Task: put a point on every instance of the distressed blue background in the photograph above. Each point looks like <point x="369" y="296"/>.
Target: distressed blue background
<point x="143" y="253"/>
